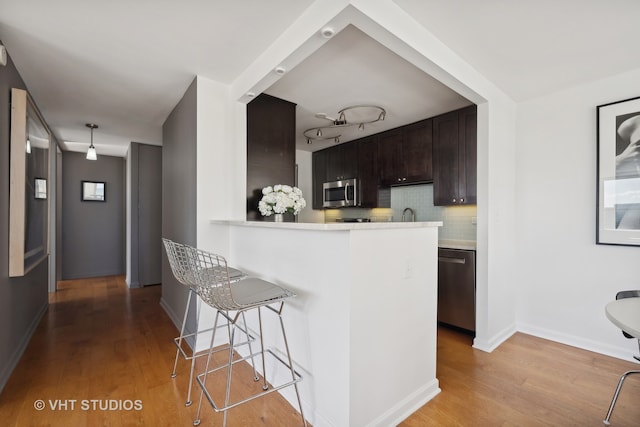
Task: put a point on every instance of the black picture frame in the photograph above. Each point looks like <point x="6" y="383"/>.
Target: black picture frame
<point x="93" y="191"/>
<point x="618" y="173"/>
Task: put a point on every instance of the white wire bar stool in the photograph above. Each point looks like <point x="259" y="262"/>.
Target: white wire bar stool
<point x="251" y="293"/>
<point x="183" y="270"/>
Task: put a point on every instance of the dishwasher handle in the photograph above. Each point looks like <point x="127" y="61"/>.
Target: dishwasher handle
<point x="452" y="260"/>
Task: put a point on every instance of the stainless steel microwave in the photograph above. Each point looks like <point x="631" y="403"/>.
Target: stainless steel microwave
<point x="340" y="194"/>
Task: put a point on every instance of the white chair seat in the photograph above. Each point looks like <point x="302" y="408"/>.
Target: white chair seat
<point x="254" y="291"/>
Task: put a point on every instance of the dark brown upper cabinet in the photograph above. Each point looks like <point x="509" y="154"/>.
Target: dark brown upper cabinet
<point x="342" y="162"/>
<point x="390" y="164"/>
<point x="417" y="151"/>
<point x="319" y="174"/>
<point x="455" y="157"/>
<point x="368" y="173"/>
<point x="405" y="154"/>
<point x="271" y="148"/>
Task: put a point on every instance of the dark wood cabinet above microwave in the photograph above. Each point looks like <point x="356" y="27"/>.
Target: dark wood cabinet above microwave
<point x="342" y="162"/>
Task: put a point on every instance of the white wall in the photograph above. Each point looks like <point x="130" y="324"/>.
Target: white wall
<point x="565" y="278"/>
<point x="221" y="160"/>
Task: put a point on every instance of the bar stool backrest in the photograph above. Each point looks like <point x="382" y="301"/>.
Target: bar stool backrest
<point x="212" y="279"/>
<point x="181" y="262"/>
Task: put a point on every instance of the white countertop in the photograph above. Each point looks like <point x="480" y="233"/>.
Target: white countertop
<point x="330" y="226"/>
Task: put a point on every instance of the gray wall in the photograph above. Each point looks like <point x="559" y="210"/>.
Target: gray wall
<point x="179" y="150"/>
<point x="93" y="233"/>
<point x="23" y="300"/>
<point x="144" y="212"/>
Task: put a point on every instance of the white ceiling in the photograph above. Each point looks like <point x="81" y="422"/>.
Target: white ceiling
<point x="353" y="69"/>
<point x="124" y="65"/>
<point x="532" y="48"/>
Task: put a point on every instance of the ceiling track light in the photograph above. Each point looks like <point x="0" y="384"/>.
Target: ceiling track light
<point x="375" y="114"/>
<point x="91" y="152"/>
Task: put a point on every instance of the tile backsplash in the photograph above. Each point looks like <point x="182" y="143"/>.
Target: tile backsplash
<point x="458" y="221"/>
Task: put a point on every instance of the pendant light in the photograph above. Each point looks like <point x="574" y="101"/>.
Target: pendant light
<point x="91" y="152"/>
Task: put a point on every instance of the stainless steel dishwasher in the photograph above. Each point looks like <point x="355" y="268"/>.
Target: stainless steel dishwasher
<point x="457" y="288"/>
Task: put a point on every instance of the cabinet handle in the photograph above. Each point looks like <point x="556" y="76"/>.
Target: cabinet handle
<point x="452" y="260"/>
<point x="462" y="200"/>
<point x="454" y="200"/>
<point x="404" y="179"/>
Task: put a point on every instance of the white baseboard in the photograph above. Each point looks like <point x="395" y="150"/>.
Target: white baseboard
<point x="410" y="404"/>
<point x="491" y="343"/>
<point x="608" y="350"/>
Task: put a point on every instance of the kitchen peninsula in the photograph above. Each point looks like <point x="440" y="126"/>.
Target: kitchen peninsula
<point x="362" y="329"/>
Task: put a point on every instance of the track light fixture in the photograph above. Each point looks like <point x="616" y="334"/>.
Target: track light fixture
<point x="359" y="115"/>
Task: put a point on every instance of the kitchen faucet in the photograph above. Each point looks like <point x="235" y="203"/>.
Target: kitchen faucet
<point x="413" y="214"/>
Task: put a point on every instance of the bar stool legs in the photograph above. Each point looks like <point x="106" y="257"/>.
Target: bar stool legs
<point x="293" y="372"/>
<point x="267" y="388"/>
<point x="179" y="349"/>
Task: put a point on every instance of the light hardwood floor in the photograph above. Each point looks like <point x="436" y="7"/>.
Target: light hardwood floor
<point x="100" y="341"/>
<point x="527" y="381"/>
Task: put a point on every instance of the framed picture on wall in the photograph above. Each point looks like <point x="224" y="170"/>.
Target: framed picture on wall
<point x="40" y="188"/>
<point x="618" y="191"/>
<point x="94" y="191"/>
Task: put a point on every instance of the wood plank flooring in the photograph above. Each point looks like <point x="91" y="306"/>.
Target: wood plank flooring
<point x="100" y="341"/>
<point x="527" y="381"/>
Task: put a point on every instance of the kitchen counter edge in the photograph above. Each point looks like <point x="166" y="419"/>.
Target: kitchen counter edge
<point x="331" y="226"/>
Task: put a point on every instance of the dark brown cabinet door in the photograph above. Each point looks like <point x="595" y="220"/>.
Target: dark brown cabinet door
<point x="368" y="172"/>
<point x="342" y="162"/>
<point x="271" y="124"/>
<point x="454" y="157"/>
<point x="319" y="166"/>
<point x="405" y="154"/>
<point x="391" y="167"/>
<point x="417" y="151"/>
<point x="468" y="134"/>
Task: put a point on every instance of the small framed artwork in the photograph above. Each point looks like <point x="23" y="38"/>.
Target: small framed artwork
<point x="618" y="191"/>
<point x="94" y="191"/>
<point x="40" y="188"/>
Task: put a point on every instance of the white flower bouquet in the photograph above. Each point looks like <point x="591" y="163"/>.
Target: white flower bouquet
<point x="280" y="199"/>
